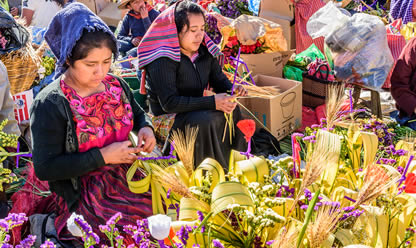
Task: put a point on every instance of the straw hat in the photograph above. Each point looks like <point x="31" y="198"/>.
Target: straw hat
<point x="123" y="4"/>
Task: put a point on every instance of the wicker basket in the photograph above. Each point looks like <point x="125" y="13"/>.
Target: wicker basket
<point x="22" y="67"/>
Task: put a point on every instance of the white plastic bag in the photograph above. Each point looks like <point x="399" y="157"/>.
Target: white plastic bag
<point x="358" y="44"/>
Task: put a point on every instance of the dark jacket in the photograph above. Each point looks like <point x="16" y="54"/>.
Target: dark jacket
<point x="178" y="87"/>
<point x="132" y="27"/>
<point x="55" y="145"/>
<point x="403" y="80"/>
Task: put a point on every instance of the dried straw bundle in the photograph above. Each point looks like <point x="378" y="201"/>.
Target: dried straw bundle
<point x="171" y="181"/>
<point x="184" y="144"/>
<point x="285" y="239"/>
<point x="325" y="222"/>
<point x="326" y="152"/>
<point x="376" y="181"/>
<point x="334" y="101"/>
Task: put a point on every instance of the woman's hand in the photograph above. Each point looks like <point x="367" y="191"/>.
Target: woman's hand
<point x="240" y="90"/>
<point x="225" y="103"/>
<point x="119" y="153"/>
<point x="146" y="135"/>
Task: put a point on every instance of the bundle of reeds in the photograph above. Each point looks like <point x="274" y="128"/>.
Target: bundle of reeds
<point x="376" y="181"/>
<point x="254" y="90"/>
<point x="184" y="144"/>
<point x="325" y="222"/>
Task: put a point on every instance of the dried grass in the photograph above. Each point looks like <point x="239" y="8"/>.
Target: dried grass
<point x="172" y="182"/>
<point x="376" y="181"/>
<point x="334" y="102"/>
<point x="325" y="222"/>
<point x="184" y="144"/>
<point x="285" y="239"/>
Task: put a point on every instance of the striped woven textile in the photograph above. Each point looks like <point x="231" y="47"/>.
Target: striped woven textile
<point x="161" y="40"/>
<point x="304" y="9"/>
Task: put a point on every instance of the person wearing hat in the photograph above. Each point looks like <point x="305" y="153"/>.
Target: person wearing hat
<point x="134" y="25"/>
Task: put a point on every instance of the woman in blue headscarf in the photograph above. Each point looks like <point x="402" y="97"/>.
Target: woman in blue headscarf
<point x="80" y="125"/>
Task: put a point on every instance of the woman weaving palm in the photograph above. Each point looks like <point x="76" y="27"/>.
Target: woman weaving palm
<point x="179" y="63"/>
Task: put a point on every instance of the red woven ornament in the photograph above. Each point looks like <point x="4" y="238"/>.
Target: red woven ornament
<point x="247" y="127"/>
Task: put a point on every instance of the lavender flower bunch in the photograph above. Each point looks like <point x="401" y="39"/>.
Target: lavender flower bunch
<point x="88" y="236"/>
<point x="233" y="8"/>
<point x="212" y="30"/>
<point x="140" y="233"/>
<point x="110" y="230"/>
<point x="7" y="224"/>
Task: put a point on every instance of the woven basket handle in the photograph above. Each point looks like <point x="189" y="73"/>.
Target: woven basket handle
<point x="318" y="68"/>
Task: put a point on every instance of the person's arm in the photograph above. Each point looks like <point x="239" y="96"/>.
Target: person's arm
<point x="125" y="30"/>
<point x="217" y="79"/>
<point x="401" y="78"/>
<point x="50" y="161"/>
<point x="161" y="78"/>
<point x="6" y="103"/>
<point x="147" y="21"/>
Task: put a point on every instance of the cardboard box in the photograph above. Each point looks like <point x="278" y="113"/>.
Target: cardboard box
<point x="106" y="10"/>
<point x="270" y="64"/>
<point x="281" y="114"/>
<point x="283" y="9"/>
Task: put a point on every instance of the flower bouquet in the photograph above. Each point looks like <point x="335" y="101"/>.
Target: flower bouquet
<point x="252" y="35"/>
<point x="233" y="8"/>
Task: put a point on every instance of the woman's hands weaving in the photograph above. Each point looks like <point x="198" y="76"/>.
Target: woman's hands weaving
<point x="123" y="153"/>
<point x="146" y="140"/>
<point x="120" y="153"/>
<point x="225" y="103"/>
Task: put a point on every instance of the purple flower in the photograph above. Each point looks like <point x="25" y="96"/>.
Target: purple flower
<point x="183" y="234"/>
<point x="87" y="231"/>
<point x="4" y="225"/>
<point x="217" y="244"/>
<point x="104" y="228"/>
<point x="400" y="169"/>
<point x="114" y="219"/>
<point x="48" y="244"/>
<point x="348" y="209"/>
<point x="168" y="194"/>
<point x="200" y="216"/>
<point x="6" y="245"/>
<point x="196" y="246"/>
<point x="27" y="242"/>
<point x="308" y="194"/>
<point x="304" y="207"/>
<point x="270" y="242"/>
<point x="16" y="219"/>
<point x="309" y="138"/>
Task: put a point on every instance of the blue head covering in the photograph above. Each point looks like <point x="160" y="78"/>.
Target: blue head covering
<point x="66" y="29"/>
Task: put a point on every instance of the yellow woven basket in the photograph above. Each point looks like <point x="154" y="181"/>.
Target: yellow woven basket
<point x="22" y="67"/>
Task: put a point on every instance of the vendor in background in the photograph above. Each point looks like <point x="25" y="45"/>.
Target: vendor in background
<point x="134" y="25"/>
<point x="12" y="6"/>
<point x="403" y="85"/>
<point x="39" y="13"/>
<point x="180" y="66"/>
<point x="6" y="103"/>
<point x="80" y="125"/>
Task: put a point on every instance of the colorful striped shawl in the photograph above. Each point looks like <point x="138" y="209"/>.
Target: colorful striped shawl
<point x="161" y="40"/>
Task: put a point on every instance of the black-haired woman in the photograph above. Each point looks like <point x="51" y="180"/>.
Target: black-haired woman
<point x="39" y="13"/>
<point x="180" y="66"/>
<point x="80" y="125"/>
